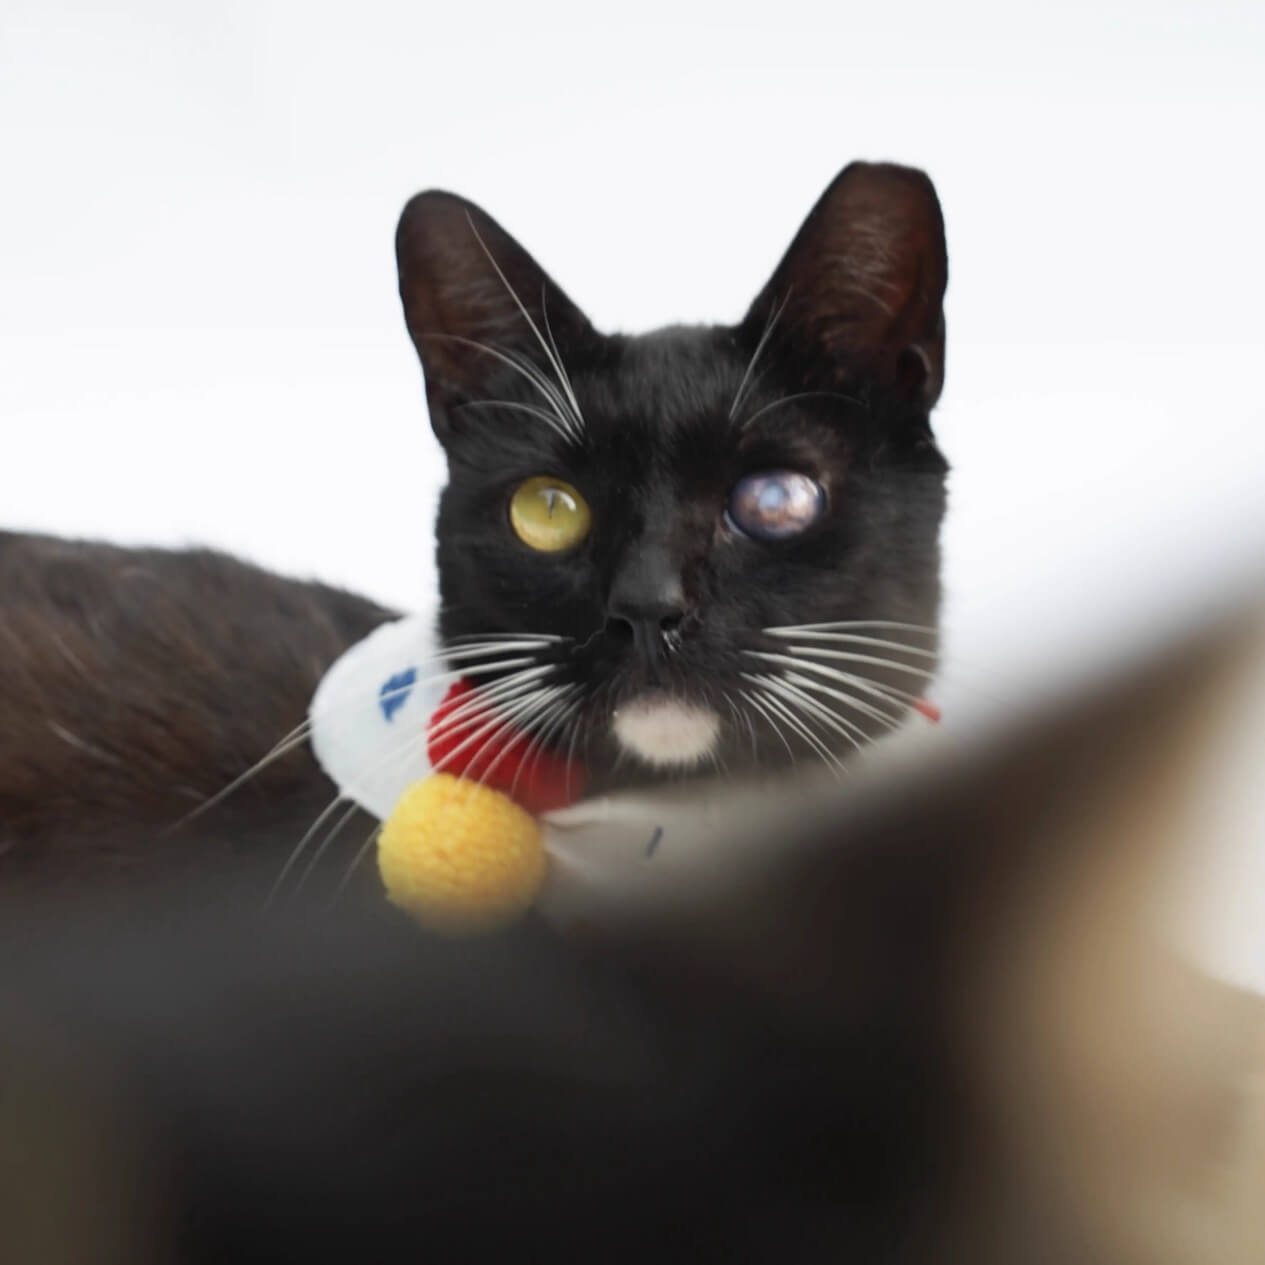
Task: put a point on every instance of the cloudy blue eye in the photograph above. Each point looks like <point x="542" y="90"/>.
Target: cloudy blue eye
<point x="776" y="504"/>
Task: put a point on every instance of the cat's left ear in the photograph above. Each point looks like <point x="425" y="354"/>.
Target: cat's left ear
<point x="474" y="300"/>
<point x="858" y="296"/>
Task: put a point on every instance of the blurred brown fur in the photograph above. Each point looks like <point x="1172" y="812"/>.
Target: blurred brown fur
<point x="135" y="684"/>
<point x="943" y="1020"/>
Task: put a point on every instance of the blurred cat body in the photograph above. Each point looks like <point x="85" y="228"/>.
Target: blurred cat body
<point x="941" y="1016"/>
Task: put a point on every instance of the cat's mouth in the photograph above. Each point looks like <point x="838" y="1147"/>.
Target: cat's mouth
<point x="665" y="732"/>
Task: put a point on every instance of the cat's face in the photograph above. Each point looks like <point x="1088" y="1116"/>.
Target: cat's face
<point x="655" y="505"/>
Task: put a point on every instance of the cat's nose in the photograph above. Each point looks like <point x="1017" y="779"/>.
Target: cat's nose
<point x="647" y="603"/>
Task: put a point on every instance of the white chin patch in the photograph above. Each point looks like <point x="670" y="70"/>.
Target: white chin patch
<point x="664" y="733"/>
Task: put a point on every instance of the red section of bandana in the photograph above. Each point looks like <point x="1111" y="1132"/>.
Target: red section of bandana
<point x="925" y="707"/>
<point x="465" y="738"/>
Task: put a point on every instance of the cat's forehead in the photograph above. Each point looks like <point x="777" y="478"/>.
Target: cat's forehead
<point x="672" y="378"/>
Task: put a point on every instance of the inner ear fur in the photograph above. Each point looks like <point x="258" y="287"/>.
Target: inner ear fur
<point x="472" y="297"/>
<point x="858" y="297"/>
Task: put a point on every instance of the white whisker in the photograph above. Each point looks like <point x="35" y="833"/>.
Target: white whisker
<point x="478" y="709"/>
<point x="299" y="735"/>
<point x="806" y="652"/>
<point x="773" y="318"/>
<point x="881" y="690"/>
<point x="775" y="698"/>
<point x="779" y="629"/>
<point x="554" y="360"/>
<point x="333" y="834"/>
<point x="886" y="719"/>
<point x="529" y="714"/>
<point x="845" y="728"/>
<point x="890" y="694"/>
<point x="526" y="369"/>
<point x="81" y="744"/>
<point x="511" y="688"/>
<point x="299" y="848"/>
<point x="790" y="399"/>
<point x="553" y="721"/>
<point x="489" y="733"/>
<point x="481" y="643"/>
<point x="576" y="723"/>
<point x="563" y="376"/>
<point x="367" y="845"/>
<point x="498" y="720"/>
<point x="356" y="862"/>
<point x="861" y="640"/>
<point x="292" y="742"/>
<point x="483" y="700"/>
<point x="743" y="716"/>
<point x="540" y="414"/>
<point x="777" y="729"/>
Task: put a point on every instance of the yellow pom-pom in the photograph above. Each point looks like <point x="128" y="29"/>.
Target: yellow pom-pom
<point x="460" y="856"/>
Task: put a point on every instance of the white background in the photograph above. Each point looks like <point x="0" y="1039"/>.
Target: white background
<point x="200" y="339"/>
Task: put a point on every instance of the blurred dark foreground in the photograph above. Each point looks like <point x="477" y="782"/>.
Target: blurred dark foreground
<point x="941" y="1020"/>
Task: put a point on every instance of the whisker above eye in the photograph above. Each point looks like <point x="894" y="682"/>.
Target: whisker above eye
<point x="568" y="429"/>
<point x="775" y="315"/>
<point x="791" y="399"/>
<point x="540" y="414"/>
<point x="549" y="348"/>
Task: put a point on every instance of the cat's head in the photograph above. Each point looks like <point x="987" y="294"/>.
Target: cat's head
<point x="672" y="510"/>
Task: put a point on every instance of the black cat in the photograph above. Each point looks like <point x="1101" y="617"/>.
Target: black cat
<point x="728" y="534"/>
<point x="697" y="487"/>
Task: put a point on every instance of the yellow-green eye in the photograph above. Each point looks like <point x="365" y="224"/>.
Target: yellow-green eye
<point x="549" y="515"/>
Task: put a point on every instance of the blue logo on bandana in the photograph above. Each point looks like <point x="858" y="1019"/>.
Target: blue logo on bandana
<point x="395" y="691"/>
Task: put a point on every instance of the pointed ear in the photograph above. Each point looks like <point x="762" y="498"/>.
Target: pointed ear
<point x="858" y="296"/>
<point x="473" y="298"/>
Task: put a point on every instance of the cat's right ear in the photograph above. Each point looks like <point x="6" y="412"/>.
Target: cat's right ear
<point x="858" y="297"/>
<point x="475" y="301"/>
